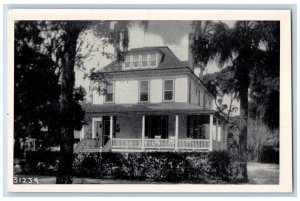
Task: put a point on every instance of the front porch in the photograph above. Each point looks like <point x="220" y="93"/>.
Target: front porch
<point x="154" y="132"/>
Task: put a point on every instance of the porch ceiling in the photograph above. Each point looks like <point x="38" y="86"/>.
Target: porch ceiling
<point x="147" y="108"/>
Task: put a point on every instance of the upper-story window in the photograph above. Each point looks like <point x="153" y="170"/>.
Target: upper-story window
<point x="127" y="61"/>
<point x="168" y="90"/>
<point x="109" y="96"/>
<point x="144" y="60"/>
<point x="152" y="59"/>
<point x="135" y="62"/>
<point x="144" y="91"/>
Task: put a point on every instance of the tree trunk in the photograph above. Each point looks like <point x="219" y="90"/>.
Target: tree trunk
<point x="64" y="174"/>
<point x="17" y="147"/>
<point x="243" y="93"/>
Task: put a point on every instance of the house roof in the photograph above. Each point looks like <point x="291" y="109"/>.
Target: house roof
<point x="168" y="59"/>
<point x="146" y="108"/>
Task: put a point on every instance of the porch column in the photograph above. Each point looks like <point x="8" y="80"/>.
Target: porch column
<point x="211" y="121"/>
<point x="143" y="132"/>
<point x="111" y="129"/>
<point x="176" y="132"/>
<point x="225" y="136"/>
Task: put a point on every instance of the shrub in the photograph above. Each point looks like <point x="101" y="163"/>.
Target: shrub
<point x="40" y="162"/>
<point x="219" y="163"/>
<point x="269" y="154"/>
<point x="216" y="167"/>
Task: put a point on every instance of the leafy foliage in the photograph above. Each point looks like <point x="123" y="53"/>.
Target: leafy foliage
<point x="212" y="167"/>
<point x="36" y="83"/>
<point x="250" y="51"/>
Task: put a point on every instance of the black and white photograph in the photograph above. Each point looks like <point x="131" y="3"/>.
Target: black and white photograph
<point x="150" y="101"/>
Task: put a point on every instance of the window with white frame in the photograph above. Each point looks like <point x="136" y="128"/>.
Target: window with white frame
<point x="168" y="90"/>
<point x="135" y="61"/>
<point x="144" y="61"/>
<point x="144" y="91"/>
<point x="109" y="96"/>
<point x="152" y="60"/>
<point x="127" y="61"/>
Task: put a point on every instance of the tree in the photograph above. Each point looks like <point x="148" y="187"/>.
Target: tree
<point x="221" y="87"/>
<point x="35" y="84"/>
<point x="240" y="50"/>
<point x="66" y="49"/>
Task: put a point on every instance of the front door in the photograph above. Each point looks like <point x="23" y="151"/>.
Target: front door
<point x="106" y="133"/>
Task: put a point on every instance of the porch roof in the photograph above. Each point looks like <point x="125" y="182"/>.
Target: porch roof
<point x="147" y="108"/>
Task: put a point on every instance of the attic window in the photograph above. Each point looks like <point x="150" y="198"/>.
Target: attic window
<point x="135" y="61"/>
<point x="127" y="61"/>
<point x="152" y="60"/>
<point x="144" y="62"/>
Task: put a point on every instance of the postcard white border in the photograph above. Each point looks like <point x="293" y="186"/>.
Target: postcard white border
<point x="284" y="16"/>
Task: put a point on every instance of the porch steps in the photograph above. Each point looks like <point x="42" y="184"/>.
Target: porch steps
<point x="107" y="146"/>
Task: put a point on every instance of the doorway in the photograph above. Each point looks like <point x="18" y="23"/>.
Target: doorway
<point x="156" y="127"/>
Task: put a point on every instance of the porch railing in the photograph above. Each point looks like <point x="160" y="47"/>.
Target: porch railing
<point x="193" y="144"/>
<point x="159" y="143"/>
<point x="126" y="143"/>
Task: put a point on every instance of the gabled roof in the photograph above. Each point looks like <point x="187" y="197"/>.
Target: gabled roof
<point x="168" y="60"/>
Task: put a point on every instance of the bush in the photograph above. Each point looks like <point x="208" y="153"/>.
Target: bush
<point x="215" y="167"/>
<point x="269" y="154"/>
<point x="40" y="162"/>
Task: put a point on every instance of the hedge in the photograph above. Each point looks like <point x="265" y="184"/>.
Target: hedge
<point x="202" y="167"/>
<point x="40" y="162"/>
<point x="186" y="167"/>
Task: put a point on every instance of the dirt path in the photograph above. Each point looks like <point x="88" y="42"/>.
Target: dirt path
<point x="261" y="173"/>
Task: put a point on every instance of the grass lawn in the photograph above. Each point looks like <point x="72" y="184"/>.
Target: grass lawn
<point x="261" y="173"/>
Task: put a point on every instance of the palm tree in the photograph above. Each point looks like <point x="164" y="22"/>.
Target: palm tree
<point x="244" y="50"/>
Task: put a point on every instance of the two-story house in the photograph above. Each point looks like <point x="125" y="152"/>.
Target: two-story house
<point x="153" y="102"/>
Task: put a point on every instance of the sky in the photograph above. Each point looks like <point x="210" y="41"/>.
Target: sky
<point x="173" y="34"/>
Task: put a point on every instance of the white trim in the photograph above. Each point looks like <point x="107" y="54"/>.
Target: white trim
<point x="113" y="94"/>
<point x="95" y="119"/>
<point x="211" y="121"/>
<point x="163" y="91"/>
<point x="176" y="131"/>
<point x="143" y="132"/>
<point x="111" y="127"/>
<point x="139" y="92"/>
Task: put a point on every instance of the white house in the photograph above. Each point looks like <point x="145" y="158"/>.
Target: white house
<point x="154" y="102"/>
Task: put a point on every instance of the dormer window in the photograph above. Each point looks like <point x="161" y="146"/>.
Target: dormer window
<point x="127" y="61"/>
<point x="144" y="60"/>
<point x="135" y="62"/>
<point x="152" y="60"/>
